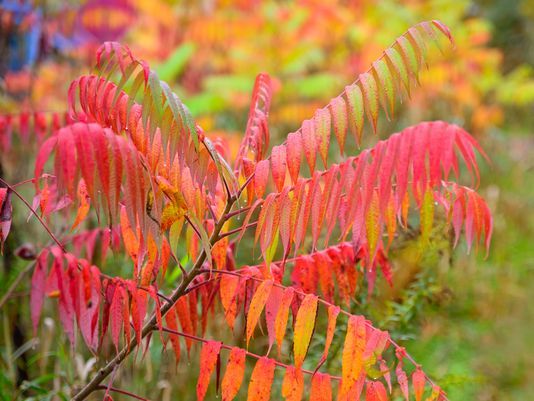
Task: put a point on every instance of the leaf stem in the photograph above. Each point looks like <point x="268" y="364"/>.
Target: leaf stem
<point x="32" y="210"/>
<point x="229" y="347"/>
<point x="120" y="391"/>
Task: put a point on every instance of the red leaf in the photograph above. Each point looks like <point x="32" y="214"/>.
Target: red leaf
<point x="338" y="110"/>
<point x="294" y="155"/>
<point x="6" y="215"/>
<point x="233" y="377"/>
<point x="278" y="166"/>
<point x="402" y="379"/>
<point x="309" y="143"/>
<point x="418" y="382"/>
<point x="38" y="290"/>
<point x="208" y="359"/>
<point x="375" y="391"/>
<point x="116" y="315"/>
<point x="271" y="310"/>
<point x="172" y="323"/>
<point x="321" y="388"/>
<point x="261" y="175"/>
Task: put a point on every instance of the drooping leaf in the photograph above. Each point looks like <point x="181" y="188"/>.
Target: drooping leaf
<point x="278" y="166"/>
<point x="353" y="349"/>
<point x="321" y="388"/>
<point x="304" y="325"/>
<point x="293" y="384"/>
<point x="375" y="391"/>
<point x="256" y="306"/>
<point x="208" y="359"/>
<point x="233" y="377"/>
<point x="418" y="382"/>
<point x="261" y="380"/>
<point x="282" y="316"/>
<point x="38" y="289"/>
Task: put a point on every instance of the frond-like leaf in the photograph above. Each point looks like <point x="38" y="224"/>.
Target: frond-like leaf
<point x="391" y="75"/>
<point x="363" y="194"/>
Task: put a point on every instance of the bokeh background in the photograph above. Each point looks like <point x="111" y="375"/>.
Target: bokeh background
<point x="468" y="319"/>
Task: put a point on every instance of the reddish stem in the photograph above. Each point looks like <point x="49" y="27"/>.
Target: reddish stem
<point x="31" y="209"/>
<point x="238" y="229"/>
<point x="229" y="347"/>
<point x="120" y="391"/>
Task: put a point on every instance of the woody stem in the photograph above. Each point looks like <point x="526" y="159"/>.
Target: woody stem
<point x="152" y="323"/>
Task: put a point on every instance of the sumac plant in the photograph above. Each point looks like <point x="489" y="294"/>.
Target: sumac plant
<point x="172" y="196"/>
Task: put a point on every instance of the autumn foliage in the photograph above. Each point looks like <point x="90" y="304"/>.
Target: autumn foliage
<point x="160" y="185"/>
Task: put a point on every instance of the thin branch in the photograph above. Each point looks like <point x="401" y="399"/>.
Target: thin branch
<point x="245" y="184"/>
<point x="97" y="379"/>
<point x="192" y="226"/>
<point x="32" y="180"/>
<point x="229" y="347"/>
<point x="201" y="284"/>
<point x="120" y="391"/>
<point x="238" y="229"/>
<point x="159" y="294"/>
<point x="236" y="212"/>
<point x="32" y="210"/>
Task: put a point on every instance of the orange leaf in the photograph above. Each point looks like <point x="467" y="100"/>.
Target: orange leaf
<point x="333" y="312"/>
<point x="293" y="385"/>
<point x="83" y="209"/>
<point x="233" y="377"/>
<point x="184" y="316"/>
<point x="304" y="325"/>
<point x="228" y="293"/>
<point x="418" y="382"/>
<point x="280" y="323"/>
<point x="172" y="323"/>
<point x="321" y="388"/>
<point x="256" y="306"/>
<point x="353" y="349"/>
<point x="261" y="380"/>
<point x="208" y="359"/>
<point x="131" y="243"/>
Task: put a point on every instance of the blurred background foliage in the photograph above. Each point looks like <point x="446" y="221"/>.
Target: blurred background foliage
<point x="468" y="320"/>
